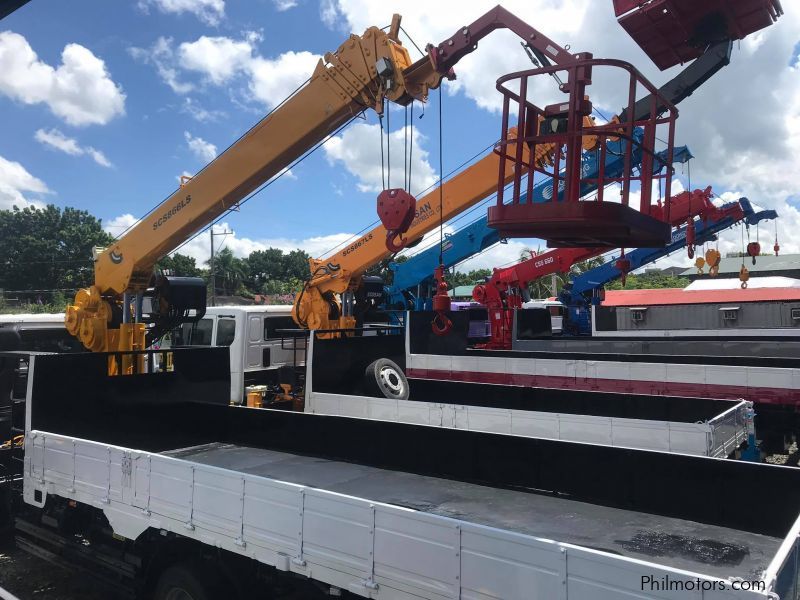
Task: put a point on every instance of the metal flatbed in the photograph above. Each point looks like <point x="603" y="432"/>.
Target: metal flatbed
<point x="395" y="511"/>
<point x="677" y="543"/>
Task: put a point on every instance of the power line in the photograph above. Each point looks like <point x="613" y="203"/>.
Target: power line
<point x="263" y="186"/>
<point x="284" y="101"/>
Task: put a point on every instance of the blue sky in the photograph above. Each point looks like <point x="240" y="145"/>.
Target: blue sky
<point x="182" y="79"/>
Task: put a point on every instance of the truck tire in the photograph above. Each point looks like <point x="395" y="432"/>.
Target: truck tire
<point x="384" y="379"/>
<point x="191" y="581"/>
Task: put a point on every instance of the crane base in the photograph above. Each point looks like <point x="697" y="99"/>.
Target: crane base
<point x="580" y="224"/>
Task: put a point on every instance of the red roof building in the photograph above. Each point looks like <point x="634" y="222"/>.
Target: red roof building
<point x="672" y="296"/>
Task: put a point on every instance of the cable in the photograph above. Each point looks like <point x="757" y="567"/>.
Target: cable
<point x="264" y="186"/>
<point x="441" y="188"/>
<point x="410" y="39"/>
<point x="411" y="147"/>
<point x="426" y="190"/>
<point x="388" y="147"/>
<point x="383" y="173"/>
<point x="406" y="186"/>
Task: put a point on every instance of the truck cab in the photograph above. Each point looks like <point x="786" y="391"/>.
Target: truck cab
<point x="554" y="307"/>
<point x="258" y="350"/>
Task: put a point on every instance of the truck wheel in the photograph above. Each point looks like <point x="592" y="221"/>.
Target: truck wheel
<point x="190" y="581"/>
<point x="384" y="379"/>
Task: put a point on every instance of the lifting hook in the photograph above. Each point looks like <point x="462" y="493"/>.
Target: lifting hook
<point x="396" y="209"/>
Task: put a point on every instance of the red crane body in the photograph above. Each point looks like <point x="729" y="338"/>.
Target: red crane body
<point x="503" y="292"/>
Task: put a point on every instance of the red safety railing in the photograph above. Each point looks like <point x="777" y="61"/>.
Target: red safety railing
<point x="557" y="137"/>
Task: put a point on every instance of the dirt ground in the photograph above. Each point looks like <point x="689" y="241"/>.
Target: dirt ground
<point x="31" y="578"/>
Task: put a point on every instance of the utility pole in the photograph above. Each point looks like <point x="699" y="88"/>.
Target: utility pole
<point x="213" y="274"/>
<point x="211" y="264"/>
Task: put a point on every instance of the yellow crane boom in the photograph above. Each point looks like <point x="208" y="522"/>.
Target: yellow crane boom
<point x="343" y="85"/>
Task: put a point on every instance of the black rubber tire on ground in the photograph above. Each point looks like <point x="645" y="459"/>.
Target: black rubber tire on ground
<point x="191" y="581"/>
<point x="384" y="379"/>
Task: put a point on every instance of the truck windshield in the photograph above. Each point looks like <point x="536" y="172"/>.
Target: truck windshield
<point x="193" y="334"/>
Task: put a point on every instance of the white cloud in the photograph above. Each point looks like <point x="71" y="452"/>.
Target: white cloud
<point x="80" y="90"/>
<point x="119" y="225"/>
<point x="358" y="148"/>
<point x="328" y="12"/>
<point x="203" y="150"/>
<point x="15" y="185"/>
<point x="195" y="110"/>
<point x="284" y="5"/>
<point x="499" y="255"/>
<point x="199" y="249"/>
<point x="210" y="12"/>
<point x="217" y="58"/>
<point x="162" y="57"/>
<point x="272" y="80"/>
<point x="224" y="61"/>
<point x="285" y="174"/>
<point x="55" y="139"/>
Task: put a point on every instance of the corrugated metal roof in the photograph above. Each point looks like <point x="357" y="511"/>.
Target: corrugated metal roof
<point x="670" y="296"/>
<point x="785" y="262"/>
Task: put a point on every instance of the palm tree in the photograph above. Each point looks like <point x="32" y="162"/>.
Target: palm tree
<point x="229" y="272"/>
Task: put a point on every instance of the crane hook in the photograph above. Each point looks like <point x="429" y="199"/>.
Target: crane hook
<point x="391" y="245"/>
<point x="396" y="210"/>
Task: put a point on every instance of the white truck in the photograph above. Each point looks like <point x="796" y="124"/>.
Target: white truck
<point x="155" y="483"/>
<point x="258" y="351"/>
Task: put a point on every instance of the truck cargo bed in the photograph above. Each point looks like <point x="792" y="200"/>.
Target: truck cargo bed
<point x="396" y="511"/>
<point x="668" y="423"/>
<point x="678" y="543"/>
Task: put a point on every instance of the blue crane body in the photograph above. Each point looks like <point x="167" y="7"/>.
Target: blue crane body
<point x="582" y="291"/>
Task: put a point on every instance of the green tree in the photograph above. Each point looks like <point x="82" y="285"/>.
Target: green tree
<point x="649" y="281"/>
<point x="43" y="251"/>
<point x="473" y="277"/>
<point x="229" y="272"/>
<point x="295" y="264"/>
<point x="264" y="266"/>
<point x="179" y="265"/>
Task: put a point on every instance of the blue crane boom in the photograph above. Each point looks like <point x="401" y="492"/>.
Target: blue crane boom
<point x="478" y="236"/>
<point x="584" y="289"/>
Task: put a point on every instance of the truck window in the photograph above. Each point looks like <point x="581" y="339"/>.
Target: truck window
<point x="226" y="330"/>
<point x="193" y="334"/>
<point x="272" y="324"/>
